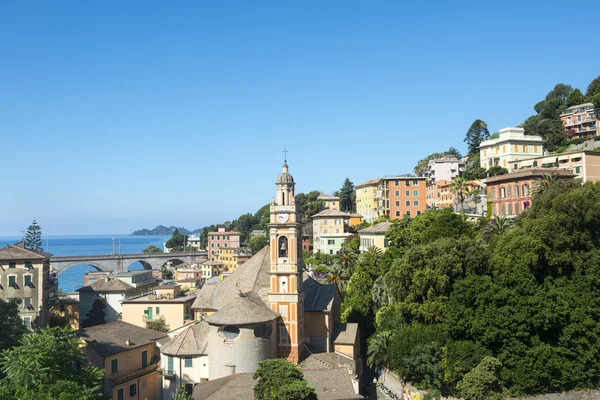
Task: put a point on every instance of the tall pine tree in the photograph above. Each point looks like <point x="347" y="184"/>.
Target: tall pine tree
<point x="33" y="237"/>
<point x="347" y="196"/>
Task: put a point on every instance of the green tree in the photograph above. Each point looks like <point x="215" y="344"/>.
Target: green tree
<point x="177" y="242"/>
<point x="477" y="133"/>
<point x="473" y="169"/>
<point x="593" y="88"/>
<point x="48" y="365"/>
<point x="540" y="185"/>
<point x="258" y="242"/>
<point x="159" y="324"/>
<point x="496" y="226"/>
<point x="421" y="166"/>
<point x="575" y="98"/>
<point x="33" y="237"/>
<point x="12" y="328"/>
<point x="378" y="353"/>
<point x="358" y="292"/>
<point x="496" y="170"/>
<point x="483" y="382"/>
<point x="596" y="101"/>
<point x="380" y="293"/>
<point x="152" y="249"/>
<point x="309" y="204"/>
<point x="458" y="187"/>
<point x="181" y="394"/>
<point x="347" y="196"/>
<point x="96" y="315"/>
<point x="278" y="379"/>
<point x="166" y="272"/>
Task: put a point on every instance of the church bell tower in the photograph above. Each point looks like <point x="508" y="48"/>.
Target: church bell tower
<point x="286" y="295"/>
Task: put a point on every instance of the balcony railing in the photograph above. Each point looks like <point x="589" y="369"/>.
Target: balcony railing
<point x="136" y="374"/>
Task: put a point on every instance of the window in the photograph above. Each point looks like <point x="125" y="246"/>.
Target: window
<point x="120" y="394"/>
<point x="144" y="358"/>
<point x="397" y="213"/>
<point x="330" y="241"/>
<point x="407" y="182"/>
<point x="408" y="203"/>
<point x="283" y="246"/>
<point x="157" y="310"/>
<point x="416" y="203"/>
<point x="212" y="245"/>
<point x="415" y="193"/>
<point x="218" y="244"/>
<point x="324" y="230"/>
<point x="418" y="212"/>
<point x="509" y="190"/>
<point x="502" y="193"/>
<point x="517" y="208"/>
<point x="524" y="148"/>
<point x="516" y="148"/>
<point x="407" y="193"/>
<point x="148" y="313"/>
<point x="517" y="191"/>
<point x="27" y="303"/>
<point x="337" y="222"/>
<point x="510" y="209"/>
<point x="325" y="222"/>
<point x="144" y="382"/>
<point x="283" y="333"/>
<point x="408" y="213"/>
<point x="231" y="332"/>
<point x="516" y="166"/>
<point x="535" y="148"/>
<point x="503" y="210"/>
<point x="114" y="365"/>
<point x="577" y="170"/>
<point x="12" y="265"/>
<point x="132" y="390"/>
<point x="397" y="203"/>
<point x="283" y="311"/>
<point x="187" y="362"/>
<point x="397" y="193"/>
<point x="579" y="118"/>
<point x="225" y="245"/>
<point x="415" y="182"/>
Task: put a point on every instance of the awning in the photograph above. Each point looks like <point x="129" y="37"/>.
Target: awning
<point x="549" y="160"/>
<point x="563" y="158"/>
<point x="527" y="163"/>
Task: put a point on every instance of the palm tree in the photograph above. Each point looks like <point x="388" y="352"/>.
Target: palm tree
<point x="378" y="353"/>
<point x="380" y="293"/>
<point x="348" y="259"/>
<point x="474" y="195"/>
<point x="497" y="226"/>
<point x="542" y="184"/>
<point x="458" y="187"/>
<point x="337" y="275"/>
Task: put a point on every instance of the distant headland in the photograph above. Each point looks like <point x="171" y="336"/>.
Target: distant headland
<point x="162" y="230"/>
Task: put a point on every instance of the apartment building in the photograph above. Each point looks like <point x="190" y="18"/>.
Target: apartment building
<point x="25" y="276"/>
<point x="374" y="236"/>
<point x="166" y="302"/>
<point x="511" y="145"/>
<point x="130" y="359"/>
<point x="233" y="257"/>
<point x="510" y="194"/>
<point x="585" y="165"/>
<point x="367" y="201"/>
<point x="440" y="195"/>
<point x="330" y="230"/>
<point x="329" y="201"/>
<point x="222" y="239"/>
<point x="580" y="121"/>
<point x="444" y="168"/>
<point x="407" y="196"/>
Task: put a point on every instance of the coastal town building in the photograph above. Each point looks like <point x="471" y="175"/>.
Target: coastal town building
<point x="129" y="357"/>
<point x="444" y="168"/>
<point x="330" y="202"/>
<point x="233" y="257"/>
<point x="114" y="288"/>
<point x="330" y="230"/>
<point x="194" y="242"/>
<point x="441" y="195"/>
<point x="366" y="200"/>
<point x="374" y="236"/>
<point x="510" y="194"/>
<point x="25" y="276"/>
<point x="585" y="164"/>
<point x="394" y="196"/>
<point x="580" y="121"/>
<point x="189" y="276"/>
<point x="167" y="302"/>
<point x="511" y="145"/>
<point x="65" y="310"/>
<point x="222" y="238"/>
<point x="212" y="268"/>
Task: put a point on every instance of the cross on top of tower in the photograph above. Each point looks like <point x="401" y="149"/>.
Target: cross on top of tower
<point x="285" y="151"/>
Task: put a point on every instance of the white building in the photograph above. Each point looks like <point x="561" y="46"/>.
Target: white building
<point x="444" y="169"/>
<point x="330" y="230"/>
<point x="511" y="145"/>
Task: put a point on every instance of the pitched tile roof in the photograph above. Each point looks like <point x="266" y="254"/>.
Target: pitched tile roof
<point x="329" y="213"/>
<point x="246" y="308"/>
<point x="191" y="342"/>
<point x="345" y="333"/>
<point x="381" y="227"/>
<point x="111" y="338"/>
<point x="318" y="297"/>
<point x="106" y="285"/>
<point x="253" y="275"/>
<point x="329" y="384"/>
<point x="14" y="252"/>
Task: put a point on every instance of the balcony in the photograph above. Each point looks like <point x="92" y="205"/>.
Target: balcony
<point x="136" y="374"/>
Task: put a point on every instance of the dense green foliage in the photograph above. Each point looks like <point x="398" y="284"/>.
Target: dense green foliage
<point x="347" y="196"/>
<point x="477" y="133"/>
<point x="47" y="366"/>
<point x="278" y="379"/>
<point x="96" y="315"/>
<point x="485" y="309"/>
<point x="158" y="324"/>
<point x="258" y="242"/>
<point x="152" y="249"/>
<point x="182" y="395"/>
<point x="33" y="237"/>
<point x="421" y="166"/>
<point x="12" y="328"/>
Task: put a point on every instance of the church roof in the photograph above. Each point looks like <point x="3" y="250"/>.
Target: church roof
<point x="252" y="276"/>
<point x="247" y="308"/>
<point x="191" y="342"/>
<point x="345" y="333"/>
<point x="318" y="297"/>
<point x="285" y="176"/>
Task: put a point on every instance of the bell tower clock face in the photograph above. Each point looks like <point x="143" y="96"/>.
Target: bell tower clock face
<point x="282" y="218"/>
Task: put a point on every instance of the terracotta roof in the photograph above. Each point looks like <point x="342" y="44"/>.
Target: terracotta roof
<point x="332" y="213"/>
<point x="253" y="275"/>
<point x="225" y="233"/>
<point x="329" y="384"/>
<point x="212" y="263"/>
<point x="530" y="173"/>
<point x="191" y="342"/>
<point x="106" y="285"/>
<point x="345" y="333"/>
<point x="368" y="183"/>
<point x="246" y="308"/>
<point x="381" y="227"/>
<point x="111" y="338"/>
<point x="14" y="252"/>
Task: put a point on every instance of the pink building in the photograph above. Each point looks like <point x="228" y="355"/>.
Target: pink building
<point x="222" y="239"/>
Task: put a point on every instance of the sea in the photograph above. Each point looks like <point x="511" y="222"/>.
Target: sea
<point x="72" y="279"/>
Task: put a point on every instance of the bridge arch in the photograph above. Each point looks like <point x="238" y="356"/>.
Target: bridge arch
<point x="147" y="266"/>
<point x="63" y="268"/>
<point x="174" y="261"/>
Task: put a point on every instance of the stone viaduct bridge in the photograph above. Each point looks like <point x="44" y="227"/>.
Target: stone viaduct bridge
<point x="122" y="262"/>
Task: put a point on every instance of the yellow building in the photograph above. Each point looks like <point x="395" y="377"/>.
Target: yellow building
<point x="130" y="359"/>
<point x="330" y="202"/>
<point x="232" y="257"/>
<point x="367" y="200"/>
<point x="374" y="236"/>
<point x="166" y="303"/>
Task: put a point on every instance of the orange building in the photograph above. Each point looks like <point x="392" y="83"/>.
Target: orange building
<point x="580" y="121"/>
<point x="221" y="239"/>
<point x="407" y="196"/>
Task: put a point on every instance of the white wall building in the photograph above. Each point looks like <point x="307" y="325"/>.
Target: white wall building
<point x="444" y="169"/>
<point x="512" y="145"/>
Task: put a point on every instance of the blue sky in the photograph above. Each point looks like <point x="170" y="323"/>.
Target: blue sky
<point x="116" y="116"/>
